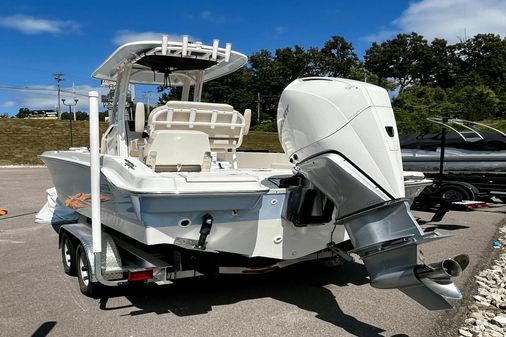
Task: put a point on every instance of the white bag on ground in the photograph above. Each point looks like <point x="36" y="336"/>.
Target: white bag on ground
<point x="54" y="211"/>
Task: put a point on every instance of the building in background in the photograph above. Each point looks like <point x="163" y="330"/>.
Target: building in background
<point x="43" y="114"/>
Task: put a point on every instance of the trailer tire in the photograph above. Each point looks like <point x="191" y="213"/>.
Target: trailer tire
<point x="455" y="193"/>
<point x="68" y="254"/>
<point x="86" y="286"/>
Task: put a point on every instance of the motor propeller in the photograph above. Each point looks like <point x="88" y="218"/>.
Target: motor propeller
<point x="444" y="269"/>
<point x="437" y="276"/>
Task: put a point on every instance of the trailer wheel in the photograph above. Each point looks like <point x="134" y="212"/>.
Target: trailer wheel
<point x="455" y="192"/>
<point x="87" y="287"/>
<point x="68" y="255"/>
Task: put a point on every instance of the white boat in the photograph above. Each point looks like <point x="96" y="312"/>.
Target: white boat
<point x="177" y="179"/>
<point x="478" y="149"/>
<point x="414" y="184"/>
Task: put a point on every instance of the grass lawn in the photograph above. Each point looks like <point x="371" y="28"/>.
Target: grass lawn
<point x="21" y="140"/>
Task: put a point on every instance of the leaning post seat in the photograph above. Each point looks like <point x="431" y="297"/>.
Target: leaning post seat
<point x="224" y="126"/>
<point x="177" y="150"/>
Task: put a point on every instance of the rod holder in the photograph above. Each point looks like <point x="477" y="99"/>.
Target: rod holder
<point x="214" y="55"/>
<point x="165" y="39"/>
<point x="228" y="49"/>
<point x="184" y="48"/>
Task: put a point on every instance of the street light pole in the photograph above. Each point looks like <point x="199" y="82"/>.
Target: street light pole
<point x="70" y="105"/>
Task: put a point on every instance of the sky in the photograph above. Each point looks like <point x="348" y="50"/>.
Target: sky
<point x="40" y="38"/>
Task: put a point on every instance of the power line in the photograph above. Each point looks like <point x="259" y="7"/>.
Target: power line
<point x="31" y="89"/>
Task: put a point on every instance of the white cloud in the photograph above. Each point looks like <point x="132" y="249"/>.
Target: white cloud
<point x="31" y="25"/>
<point x="452" y="20"/>
<point x="8" y="104"/>
<point x="382" y="35"/>
<point x="125" y="36"/>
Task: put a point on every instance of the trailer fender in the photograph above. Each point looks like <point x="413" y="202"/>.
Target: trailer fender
<point x="81" y="233"/>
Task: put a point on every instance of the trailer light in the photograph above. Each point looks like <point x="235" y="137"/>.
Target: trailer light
<point x="142" y="275"/>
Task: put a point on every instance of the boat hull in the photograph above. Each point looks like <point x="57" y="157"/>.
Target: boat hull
<point x="250" y="224"/>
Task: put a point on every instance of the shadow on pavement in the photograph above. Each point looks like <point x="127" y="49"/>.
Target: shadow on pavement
<point x="448" y="227"/>
<point x="44" y="329"/>
<point x="301" y="285"/>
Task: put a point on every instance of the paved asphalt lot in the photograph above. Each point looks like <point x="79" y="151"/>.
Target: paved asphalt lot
<point x="37" y="298"/>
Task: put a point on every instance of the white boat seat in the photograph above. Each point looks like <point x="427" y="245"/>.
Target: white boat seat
<point x="223" y="125"/>
<point x="177" y="150"/>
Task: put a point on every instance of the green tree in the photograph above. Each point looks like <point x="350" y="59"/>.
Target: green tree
<point x="270" y="74"/>
<point x="442" y="66"/>
<point x="477" y="102"/>
<point x="405" y="59"/>
<point x="378" y="62"/>
<point x="102" y="115"/>
<point x="482" y="60"/>
<point x="265" y="80"/>
<point x="337" y="58"/>
<point x="291" y="64"/>
<point x="23" y="113"/>
<point x="82" y="116"/>
<point x="414" y="105"/>
<point x="233" y="89"/>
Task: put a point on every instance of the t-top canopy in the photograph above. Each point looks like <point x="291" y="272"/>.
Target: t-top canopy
<point x="162" y="62"/>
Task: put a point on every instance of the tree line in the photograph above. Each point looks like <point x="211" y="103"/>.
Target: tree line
<point x="465" y="79"/>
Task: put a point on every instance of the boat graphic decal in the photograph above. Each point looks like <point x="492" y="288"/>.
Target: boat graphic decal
<point x="81" y="200"/>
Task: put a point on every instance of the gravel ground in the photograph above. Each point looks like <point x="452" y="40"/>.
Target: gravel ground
<point x="486" y="317"/>
<point x="37" y="298"/>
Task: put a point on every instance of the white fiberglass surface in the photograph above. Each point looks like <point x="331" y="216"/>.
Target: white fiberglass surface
<point x="142" y="179"/>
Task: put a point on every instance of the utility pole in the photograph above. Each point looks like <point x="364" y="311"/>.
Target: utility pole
<point x="74" y="93"/>
<point x="148" y="96"/>
<point x="258" y="109"/>
<point x="58" y="77"/>
<point x="70" y="105"/>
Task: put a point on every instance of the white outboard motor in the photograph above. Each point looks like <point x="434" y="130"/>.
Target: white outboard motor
<point x="342" y="137"/>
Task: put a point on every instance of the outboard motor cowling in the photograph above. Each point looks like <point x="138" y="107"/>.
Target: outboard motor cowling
<point x="342" y="137"/>
<point x="351" y="118"/>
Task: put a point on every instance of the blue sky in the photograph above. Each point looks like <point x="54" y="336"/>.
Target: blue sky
<point x="39" y="38"/>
